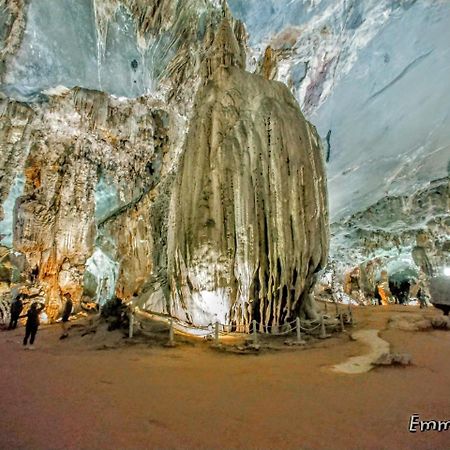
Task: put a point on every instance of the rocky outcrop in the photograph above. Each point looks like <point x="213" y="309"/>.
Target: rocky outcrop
<point x="12" y="266"/>
<point x="387" y="230"/>
<point x="248" y="225"/>
<point x="66" y="145"/>
<point x="440" y="293"/>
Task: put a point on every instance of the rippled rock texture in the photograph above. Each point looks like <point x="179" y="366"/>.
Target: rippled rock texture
<point x="388" y="229"/>
<point x="249" y="210"/>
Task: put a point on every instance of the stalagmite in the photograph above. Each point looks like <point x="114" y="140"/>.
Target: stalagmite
<point x="248" y="225"/>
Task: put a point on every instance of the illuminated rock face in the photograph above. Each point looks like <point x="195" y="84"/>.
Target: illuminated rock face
<point x="64" y="147"/>
<point x="249" y="222"/>
<point x="204" y="199"/>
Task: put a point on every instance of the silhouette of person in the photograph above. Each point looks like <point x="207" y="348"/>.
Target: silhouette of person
<point x="65" y="315"/>
<point x="16" y="309"/>
<point x="32" y="324"/>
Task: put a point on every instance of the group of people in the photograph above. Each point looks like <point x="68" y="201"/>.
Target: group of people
<point x="362" y="286"/>
<point x="32" y="317"/>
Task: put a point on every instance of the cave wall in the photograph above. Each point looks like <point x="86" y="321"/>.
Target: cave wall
<point x="372" y="77"/>
<point x="387" y="231"/>
<point x="204" y="199"/>
<point x="64" y="146"/>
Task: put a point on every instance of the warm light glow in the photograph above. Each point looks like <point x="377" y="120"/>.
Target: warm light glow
<point x="447" y="271"/>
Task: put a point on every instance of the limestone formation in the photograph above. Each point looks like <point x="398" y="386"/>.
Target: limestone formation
<point x="248" y="224"/>
<point x="113" y="198"/>
<point x="392" y="359"/>
<point x="440" y="293"/>
<point x="65" y="146"/>
<point x="386" y="233"/>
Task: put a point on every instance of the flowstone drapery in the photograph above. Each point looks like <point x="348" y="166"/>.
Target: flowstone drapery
<point x="248" y="226"/>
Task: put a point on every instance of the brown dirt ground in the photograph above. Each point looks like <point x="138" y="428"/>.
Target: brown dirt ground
<point x="82" y="394"/>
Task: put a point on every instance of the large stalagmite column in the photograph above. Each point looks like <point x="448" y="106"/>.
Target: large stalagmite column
<point x="248" y="225"/>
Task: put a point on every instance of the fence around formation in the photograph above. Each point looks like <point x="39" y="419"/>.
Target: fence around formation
<point x="217" y="330"/>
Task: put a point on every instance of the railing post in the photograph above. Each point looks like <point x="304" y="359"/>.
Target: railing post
<point x="171" y="342"/>
<point x="216" y="333"/>
<point x="341" y="319"/>
<point x="323" y="331"/>
<point x="299" y="331"/>
<point x="255" y="334"/>
<point x="131" y="323"/>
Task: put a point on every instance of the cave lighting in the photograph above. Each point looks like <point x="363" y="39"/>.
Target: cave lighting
<point x="447" y="271"/>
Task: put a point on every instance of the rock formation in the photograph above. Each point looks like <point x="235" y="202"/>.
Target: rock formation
<point x="353" y="66"/>
<point x="249" y="210"/>
<point x="386" y="232"/>
<point x="204" y="199"/>
<point x="66" y="145"/>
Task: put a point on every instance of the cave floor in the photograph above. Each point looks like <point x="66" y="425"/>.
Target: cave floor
<point x="93" y="392"/>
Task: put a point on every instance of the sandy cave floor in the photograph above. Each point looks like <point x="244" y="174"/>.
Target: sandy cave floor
<point x="97" y="392"/>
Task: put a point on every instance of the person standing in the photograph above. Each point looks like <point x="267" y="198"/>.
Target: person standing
<point x="16" y="309"/>
<point x="425" y="269"/>
<point x="65" y="315"/>
<point x="32" y="324"/>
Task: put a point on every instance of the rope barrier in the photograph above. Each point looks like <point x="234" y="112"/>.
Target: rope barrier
<point x="213" y="330"/>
